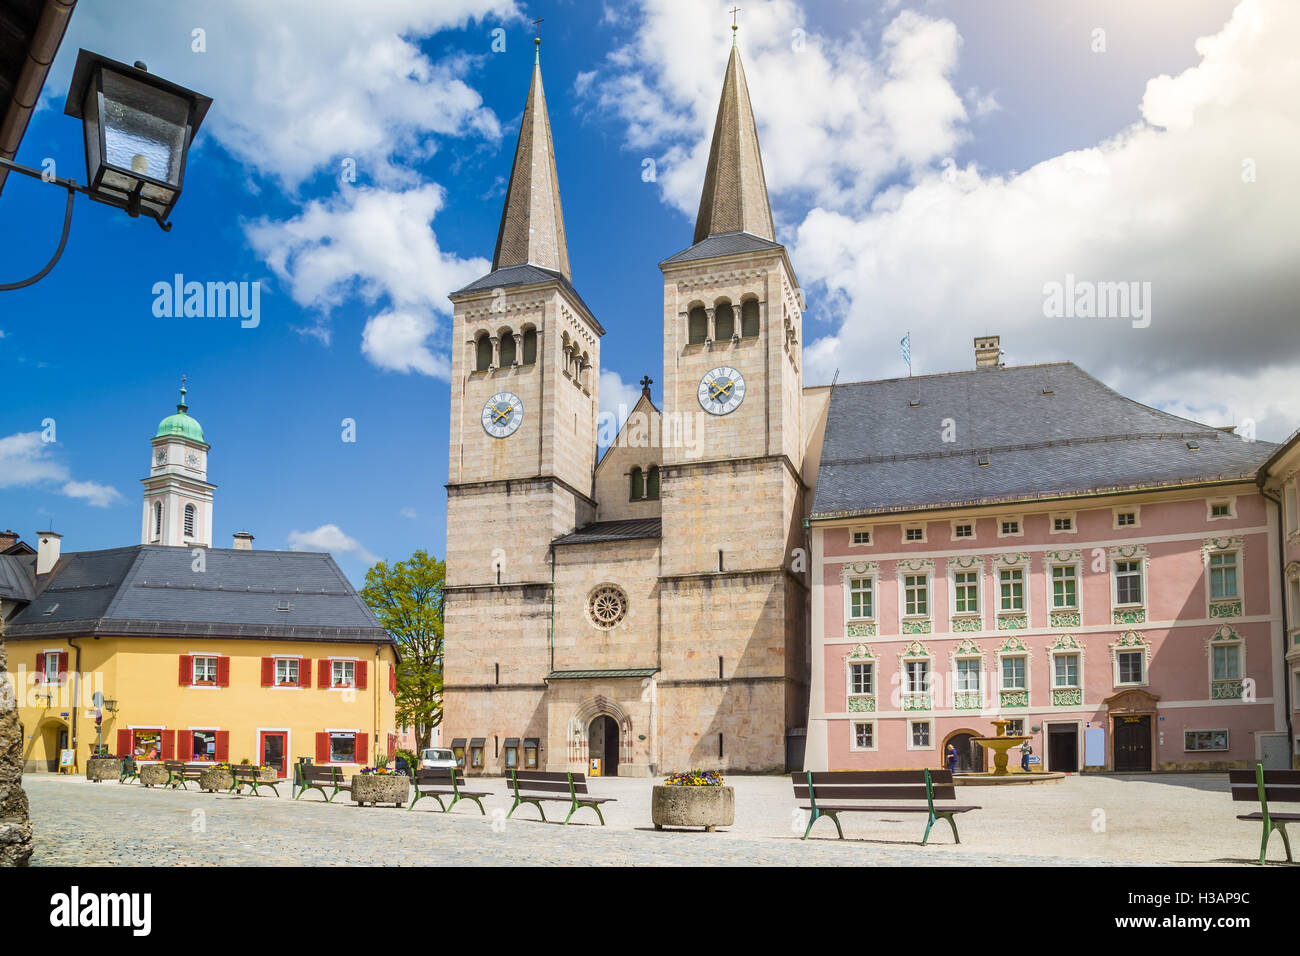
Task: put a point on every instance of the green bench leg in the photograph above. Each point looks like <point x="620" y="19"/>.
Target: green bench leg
<point x="830" y="815"/>
<point x="478" y="802"/>
<point x="1286" y="842"/>
<point x="520" y="801"/>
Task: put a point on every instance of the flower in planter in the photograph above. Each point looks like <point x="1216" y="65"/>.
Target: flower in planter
<point x="695" y="778"/>
<point x="378" y="770"/>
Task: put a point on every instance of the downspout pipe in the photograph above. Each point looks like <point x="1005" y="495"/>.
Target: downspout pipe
<point x="552" y="667"/>
<point x="1286" y="670"/>
<point x="76" y="697"/>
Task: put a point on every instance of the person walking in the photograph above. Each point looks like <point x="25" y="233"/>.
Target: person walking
<point x="1025" y="751"/>
<point x="950" y="758"/>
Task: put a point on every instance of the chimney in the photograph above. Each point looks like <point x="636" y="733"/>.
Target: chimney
<point x="47" y="552"/>
<point x="243" y="541"/>
<point x="8" y="538"/>
<point x="987" y="352"/>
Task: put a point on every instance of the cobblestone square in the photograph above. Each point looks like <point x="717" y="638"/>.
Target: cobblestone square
<point x="1082" y="821"/>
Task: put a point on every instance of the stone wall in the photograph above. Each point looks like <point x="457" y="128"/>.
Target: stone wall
<point x="15" y="825"/>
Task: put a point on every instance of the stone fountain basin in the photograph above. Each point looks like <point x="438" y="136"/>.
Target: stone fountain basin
<point x="1009" y="741"/>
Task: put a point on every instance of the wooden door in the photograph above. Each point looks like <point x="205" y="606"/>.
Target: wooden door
<point x="1062" y="748"/>
<point x="1132" y="743"/>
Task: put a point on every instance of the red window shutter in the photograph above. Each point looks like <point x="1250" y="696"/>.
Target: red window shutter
<point x="392" y="680"/>
<point x="40" y="668"/>
<point x="361" y="675"/>
<point x="392" y="746"/>
<point x="223" y="746"/>
<point x="223" y="671"/>
<point x="304" y="672"/>
<point x="63" y="666"/>
<point x="169" y="745"/>
<point x="323" y="675"/>
<point x="363" y="749"/>
<point x="322" y="748"/>
<point x="123" y="743"/>
<point x="187" y="669"/>
<point x="268" y="671"/>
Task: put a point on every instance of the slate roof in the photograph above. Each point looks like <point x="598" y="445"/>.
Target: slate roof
<point x="1045" y="431"/>
<point x="724" y="244"/>
<point x="17" y="577"/>
<point x="152" y="591"/>
<point x="601" y="531"/>
<point x="526" y="274"/>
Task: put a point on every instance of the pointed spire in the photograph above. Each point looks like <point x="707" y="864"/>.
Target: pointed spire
<point x="735" y="190"/>
<point x="182" y="407"/>
<point x="532" y="223"/>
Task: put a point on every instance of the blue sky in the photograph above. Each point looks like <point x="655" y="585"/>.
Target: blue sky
<point x="932" y="164"/>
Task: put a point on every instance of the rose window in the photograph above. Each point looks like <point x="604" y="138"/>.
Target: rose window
<point x="607" y="606"/>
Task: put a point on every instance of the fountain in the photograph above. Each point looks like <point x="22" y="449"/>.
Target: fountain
<point x="1000" y="745"/>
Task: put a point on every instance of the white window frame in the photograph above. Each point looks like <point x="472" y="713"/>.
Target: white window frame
<point x="194" y="669"/>
<point x="974" y="529"/>
<point x="929" y="722"/>
<point x="1051" y="584"/>
<point x="1116" y="677"/>
<point x="1291" y="506"/>
<point x="1136" y="511"/>
<point x="1067" y="652"/>
<point x="960" y="659"/>
<point x="854" y="543"/>
<point x="921" y="527"/>
<point x="848" y="579"/>
<point x="335" y="662"/>
<point x="331" y="731"/>
<point x="927" y="683"/>
<point x="1238" y="575"/>
<point x="1115" y="562"/>
<point x="1240" y="647"/>
<point x="903" y="613"/>
<point x="1020" y="526"/>
<point x="1070" y="515"/>
<point x="1231" y="502"/>
<point x="871" y="684"/>
<point x="853" y="736"/>
<point x="1024" y="588"/>
<point x="1002" y="674"/>
<point x="286" y="660"/>
<point x="978" y="571"/>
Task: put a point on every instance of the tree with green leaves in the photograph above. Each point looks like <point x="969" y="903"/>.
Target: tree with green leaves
<point x="407" y="598"/>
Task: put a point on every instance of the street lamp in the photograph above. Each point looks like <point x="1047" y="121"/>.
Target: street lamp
<point x="138" y="130"/>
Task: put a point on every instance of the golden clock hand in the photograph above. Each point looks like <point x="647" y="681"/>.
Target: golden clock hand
<point x="501" y="414"/>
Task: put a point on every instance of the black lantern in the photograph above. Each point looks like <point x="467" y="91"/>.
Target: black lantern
<point x="138" y="131"/>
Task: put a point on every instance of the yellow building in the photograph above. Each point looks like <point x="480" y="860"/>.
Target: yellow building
<point x="173" y="649"/>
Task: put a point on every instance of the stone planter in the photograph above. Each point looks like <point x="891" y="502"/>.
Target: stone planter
<point x="377" y="788"/>
<point x="153" y="775"/>
<point x="215" y="778"/>
<point x="707" y="807"/>
<point x="103" y="768"/>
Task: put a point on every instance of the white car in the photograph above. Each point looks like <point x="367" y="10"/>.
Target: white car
<point x="437" y="759"/>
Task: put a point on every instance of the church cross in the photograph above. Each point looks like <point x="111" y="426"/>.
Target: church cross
<point x="734" y="11"/>
<point x="538" y="25"/>
<point x="646" y="382"/>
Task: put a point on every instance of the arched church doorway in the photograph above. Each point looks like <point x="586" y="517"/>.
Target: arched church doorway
<point x="970" y="755"/>
<point x="602" y="742"/>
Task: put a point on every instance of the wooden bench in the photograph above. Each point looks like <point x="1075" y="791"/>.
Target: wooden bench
<point x="538" y="786"/>
<point x="179" y="773"/>
<point x="448" y="782"/>
<point x="878" y="791"/>
<point x="1260" y="785"/>
<point x="308" y="777"/>
<point x="246" y="776"/>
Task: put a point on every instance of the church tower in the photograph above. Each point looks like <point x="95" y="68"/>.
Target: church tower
<point x="525" y="372"/>
<point x="177" y="494"/>
<point x="734" y="590"/>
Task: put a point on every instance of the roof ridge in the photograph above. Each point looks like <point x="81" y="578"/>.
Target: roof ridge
<point x="956" y="371"/>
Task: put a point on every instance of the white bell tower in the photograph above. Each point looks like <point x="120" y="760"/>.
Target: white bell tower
<point x="177" y="494"/>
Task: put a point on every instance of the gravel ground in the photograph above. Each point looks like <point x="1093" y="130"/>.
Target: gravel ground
<point x="1082" y="821"/>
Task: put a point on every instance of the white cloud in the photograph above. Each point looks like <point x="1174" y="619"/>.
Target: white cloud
<point x="1163" y="202"/>
<point x="617" y="397"/>
<point x="329" y="537"/>
<point x="299" y="85"/>
<point x="376" y="244"/>
<point x="835" y="117"/>
<point x="410" y="514"/>
<point x="27" y="461"/>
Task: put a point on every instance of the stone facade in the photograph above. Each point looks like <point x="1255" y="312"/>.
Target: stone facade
<point x="15" y="824"/>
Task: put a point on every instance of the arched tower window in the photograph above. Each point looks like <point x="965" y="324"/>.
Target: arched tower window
<point x="749" y="318"/>
<point x="189" y="521"/>
<point x="638" y="484"/>
<point x="652" y="483"/>
<point x="584" y="370"/>
<point x="507" y="348"/>
<point x="483" y="353"/>
<point x="697" y="325"/>
<point x="530" y="348"/>
<point x="157" y="519"/>
<point x="724" y="320"/>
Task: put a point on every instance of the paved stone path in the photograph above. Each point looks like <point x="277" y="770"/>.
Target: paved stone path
<point x="1171" y="820"/>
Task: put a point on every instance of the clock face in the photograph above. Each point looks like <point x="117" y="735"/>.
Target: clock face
<point x="721" y="391"/>
<point x="160" y="456"/>
<point x="503" y="414"/>
<point x="192" y="459"/>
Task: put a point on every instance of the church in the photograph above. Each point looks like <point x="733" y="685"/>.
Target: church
<point x="763" y="576"/>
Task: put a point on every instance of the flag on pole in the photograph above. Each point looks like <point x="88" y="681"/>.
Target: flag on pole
<point x="905" y="347"/>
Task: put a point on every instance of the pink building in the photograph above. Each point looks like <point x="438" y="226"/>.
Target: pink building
<point x="1278" y="480"/>
<point x="1026" y="543"/>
